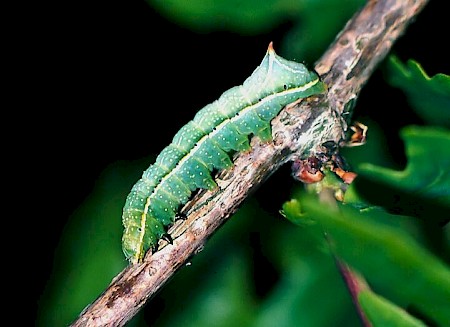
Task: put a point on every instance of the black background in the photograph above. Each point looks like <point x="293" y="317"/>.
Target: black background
<point x="102" y="80"/>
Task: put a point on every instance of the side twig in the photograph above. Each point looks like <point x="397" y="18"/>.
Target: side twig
<point x="299" y="131"/>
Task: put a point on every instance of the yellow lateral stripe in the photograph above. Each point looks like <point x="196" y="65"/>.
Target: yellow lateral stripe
<point x="215" y="131"/>
<point x="140" y="251"/>
<point x="220" y="126"/>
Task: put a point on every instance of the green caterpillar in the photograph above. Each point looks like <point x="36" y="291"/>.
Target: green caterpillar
<point x="205" y="143"/>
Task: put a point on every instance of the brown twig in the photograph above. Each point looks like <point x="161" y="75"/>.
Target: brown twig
<point x="356" y="283"/>
<point x="298" y="131"/>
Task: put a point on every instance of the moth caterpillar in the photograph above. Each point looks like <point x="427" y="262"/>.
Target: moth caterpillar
<point x="205" y="144"/>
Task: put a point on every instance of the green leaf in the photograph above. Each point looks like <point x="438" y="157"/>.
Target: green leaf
<point x="224" y="276"/>
<point x="389" y="258"/>
<point x="315" y="23"/>
<point x="427" y="173"/>
<point x="428" y="96"/>
<point x="89" y="254"/>
<point x="246" y="17"/>
<point x="309" y="293"/>
<point x="222" y="298"/>
<point x="316" y="26"/>
<point x="383" y="313"/>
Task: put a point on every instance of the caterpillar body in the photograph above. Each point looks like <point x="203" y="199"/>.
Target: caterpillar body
<point x="205" y="143"/>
